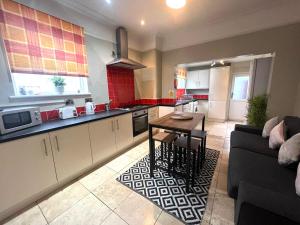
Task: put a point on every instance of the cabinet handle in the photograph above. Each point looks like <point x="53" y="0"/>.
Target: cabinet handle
<point x="112" y="126"/>
<point x="45" y="145"/>
<point x="118" y="124"/>
<point x="57" y="145"/>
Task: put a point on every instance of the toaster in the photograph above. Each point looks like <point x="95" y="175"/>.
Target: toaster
<point x="67" y="112"/>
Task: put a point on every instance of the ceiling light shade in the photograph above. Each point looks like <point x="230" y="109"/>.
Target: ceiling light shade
<point x="175" y="4"/>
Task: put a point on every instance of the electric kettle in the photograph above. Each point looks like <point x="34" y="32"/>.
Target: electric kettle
<point x="89" y="107"/>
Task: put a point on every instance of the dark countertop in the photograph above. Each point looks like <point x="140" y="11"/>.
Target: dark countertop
<point x="61" y="124"/>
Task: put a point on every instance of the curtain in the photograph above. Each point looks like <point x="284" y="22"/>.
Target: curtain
<point x="37" y="43"/>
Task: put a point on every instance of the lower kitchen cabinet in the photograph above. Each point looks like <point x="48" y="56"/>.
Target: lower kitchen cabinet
<point x="165" y="110"/>
<point x="71" y="150"/>
<point x="103" y="139"/>
<point x="26" y="169"/>
<point x="124" y="131"/>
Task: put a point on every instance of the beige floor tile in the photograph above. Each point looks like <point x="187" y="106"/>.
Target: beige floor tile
<point x="223" y="210"/>
<point x="112" y="193"/>
<point x="32" y="216"/>
<point x="167" y="219"/>
<point x="136" y="153"/>
<point x="113" y="219"/>
<point x="119" y="163"/>
<point x="222" y="184"/>
<point x="204" y="222"/>
<point x="89" y="211"/>
<point x="61" y="201"/>
<point x="98" y="177"/>
<point x="137" y="210"/>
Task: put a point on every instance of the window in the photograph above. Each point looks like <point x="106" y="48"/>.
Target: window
<point x="240" y="87"/>
<point x="41" y="85"/>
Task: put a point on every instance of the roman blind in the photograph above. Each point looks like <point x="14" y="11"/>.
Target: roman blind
<point x="38" y="43"/>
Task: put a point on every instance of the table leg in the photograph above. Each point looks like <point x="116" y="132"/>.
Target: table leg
<point x="203" y="123"/>
<point x="188" y="166"/>
<point x="151" y="151"/>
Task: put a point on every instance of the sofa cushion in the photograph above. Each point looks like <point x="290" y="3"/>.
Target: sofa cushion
<point x="292" y="125"/>
<point x="277" y="136"/>
<point x="269" y="125"/>
<point x="260" y="170"/>
<point x="289" y="151"/>
<point x="252" y="142"/>
<point x="253" y="215"/>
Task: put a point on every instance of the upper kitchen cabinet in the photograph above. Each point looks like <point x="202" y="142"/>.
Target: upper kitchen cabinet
<point x="198" y="79"/>
<point x="71" y="151"/>
<point x="26" y="169"/>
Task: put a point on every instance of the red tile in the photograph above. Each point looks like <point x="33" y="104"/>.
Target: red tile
<point x="44" y="116"/>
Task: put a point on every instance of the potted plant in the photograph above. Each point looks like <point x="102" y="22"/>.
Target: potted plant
<point x="59" y="84"/>
<point x="257" y="110"/>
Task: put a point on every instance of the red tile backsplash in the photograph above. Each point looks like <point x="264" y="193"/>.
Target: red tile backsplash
<point x="120" y="86"/>
<point x="180" y="93"/>
<point x="201" y="97"/>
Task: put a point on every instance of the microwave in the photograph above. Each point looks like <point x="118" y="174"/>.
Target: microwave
<point x="14" y="119"/>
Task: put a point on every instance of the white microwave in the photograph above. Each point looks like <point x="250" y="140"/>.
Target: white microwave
<point x="14" y="119"/>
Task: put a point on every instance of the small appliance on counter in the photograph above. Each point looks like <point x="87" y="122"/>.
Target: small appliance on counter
<point x="14" y="119"/>
<point x="68" y="111"/>
<point x="89" y="106"/>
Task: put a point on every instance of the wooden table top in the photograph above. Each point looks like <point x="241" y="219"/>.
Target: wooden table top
<point x="166" y="122"/>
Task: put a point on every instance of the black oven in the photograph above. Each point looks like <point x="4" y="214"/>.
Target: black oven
<point x="140" y="121"/>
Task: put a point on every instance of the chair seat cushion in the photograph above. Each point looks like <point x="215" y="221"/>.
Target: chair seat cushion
<point x="252" y="142"/>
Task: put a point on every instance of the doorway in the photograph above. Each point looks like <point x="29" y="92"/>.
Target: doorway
<point x="238" y="98"/>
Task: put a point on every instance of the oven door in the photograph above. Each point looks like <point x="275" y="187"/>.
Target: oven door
<point x="140" y="124"/>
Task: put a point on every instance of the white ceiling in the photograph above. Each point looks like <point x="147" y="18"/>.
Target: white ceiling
<point x="199" y="21"/>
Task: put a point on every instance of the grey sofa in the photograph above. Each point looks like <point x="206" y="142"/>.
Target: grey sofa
<point x="264" y="191"/>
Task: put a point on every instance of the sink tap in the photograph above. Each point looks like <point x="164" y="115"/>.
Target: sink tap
<point x="107" y="105"/>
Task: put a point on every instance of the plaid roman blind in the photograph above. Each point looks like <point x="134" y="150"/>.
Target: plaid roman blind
<point x="38" y="43"/>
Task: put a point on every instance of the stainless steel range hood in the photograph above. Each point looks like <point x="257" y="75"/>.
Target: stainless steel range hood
<point x="122" y="59"/>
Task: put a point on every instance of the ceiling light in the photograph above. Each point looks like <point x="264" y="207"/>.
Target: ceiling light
<point x="175" y="4"/>
<point x="222" y="62"/>
<point x="142" y="22"/>
<point x="108" y="1"/>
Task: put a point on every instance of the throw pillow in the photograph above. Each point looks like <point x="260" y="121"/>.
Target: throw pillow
<point x="289" y="151"/>
<point x="298" y="181"/>
<point x="269" y="125"/>
<point x="277" y="136"/>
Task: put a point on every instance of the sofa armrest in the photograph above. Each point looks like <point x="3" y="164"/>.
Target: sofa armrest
<point x="248" y="129"/>
<point x="269" y="200"/>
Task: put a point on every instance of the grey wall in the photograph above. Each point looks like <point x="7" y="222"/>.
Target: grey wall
<point x="99" y="53"/>
<point x="261" y="76"/>
<point x="284" y="41"/>
<point x="297" y="105"/>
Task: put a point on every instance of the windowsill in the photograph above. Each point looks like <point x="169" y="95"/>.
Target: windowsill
<point x="32" y="98"/>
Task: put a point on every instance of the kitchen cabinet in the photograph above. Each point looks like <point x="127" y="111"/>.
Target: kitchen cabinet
<point x="124" y="131"/>
<point x="198" y="79"/>
<point x="188" y="107"/>
<point x="103" y="140"/>
<point x="71" y="150"/>
<point x="203" y="106"/>
<point x="26" y="169"/>
<point x="165" y="110"/>
<point x="178" y="108"/>
<point x="153" y="113"/>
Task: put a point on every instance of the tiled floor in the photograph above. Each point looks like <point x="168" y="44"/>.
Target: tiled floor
<point x="99" y="199"/>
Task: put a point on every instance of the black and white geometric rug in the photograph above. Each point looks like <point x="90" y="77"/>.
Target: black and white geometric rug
<point x="168" y="192"/>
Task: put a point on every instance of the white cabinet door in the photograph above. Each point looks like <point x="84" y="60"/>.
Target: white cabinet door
<point x="203" y="79"/>
<point x="192" y="79"/>
<point x="203" y="106"/>
<point x="178" y="108"/>
<point x="71" y="150"/>
<point x="103" y="140"/>
<point x="165" y="110"/>
<point x="26" y="169"/>
<point x="124" y="131"/>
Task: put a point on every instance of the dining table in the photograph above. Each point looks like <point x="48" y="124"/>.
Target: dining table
<point x="184" y="126"/>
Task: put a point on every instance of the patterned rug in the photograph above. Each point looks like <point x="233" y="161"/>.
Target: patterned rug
<point x="168" y="192"/>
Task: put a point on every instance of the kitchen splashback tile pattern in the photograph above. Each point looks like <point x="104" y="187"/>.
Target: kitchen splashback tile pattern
<point x="120" y="86"/>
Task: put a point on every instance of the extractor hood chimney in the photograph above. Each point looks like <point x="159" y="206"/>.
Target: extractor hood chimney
<point x="122" y="59"/>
